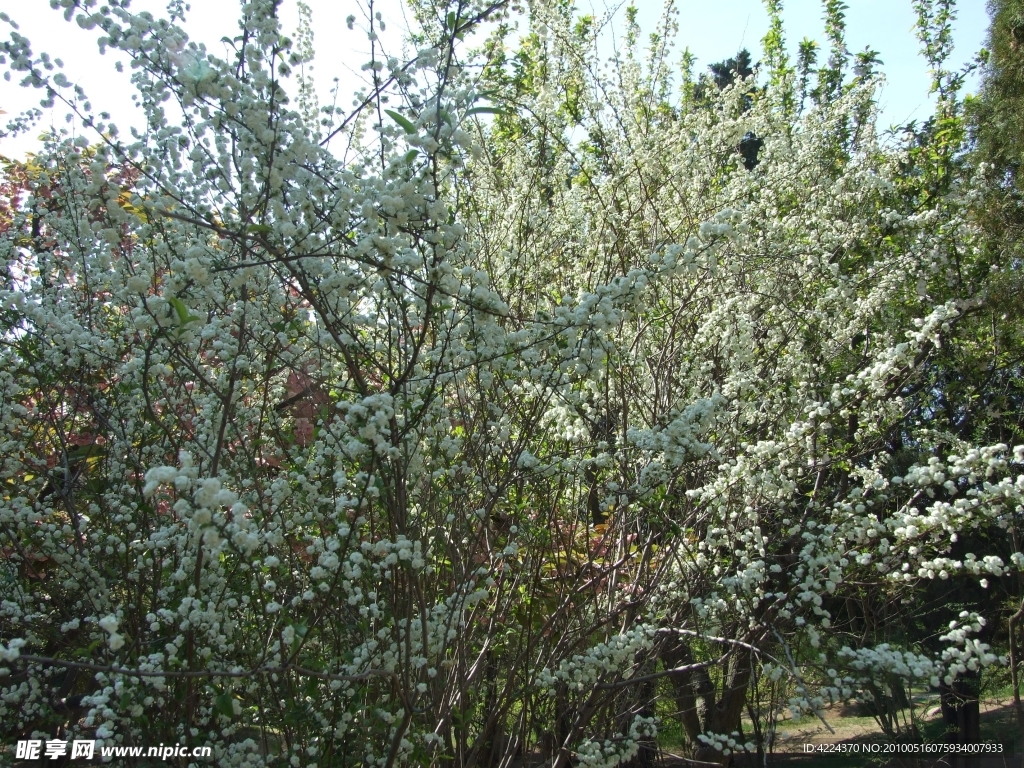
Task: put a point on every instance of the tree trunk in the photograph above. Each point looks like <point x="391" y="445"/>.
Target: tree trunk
<point x="961" y="711"/>
<point x="646" y="698"/>
<point x="716" y="714"/>
<point x="684" y="687"/>
<point x="1015" y="666"/>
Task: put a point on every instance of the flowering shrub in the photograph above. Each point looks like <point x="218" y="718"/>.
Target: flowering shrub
<point x="448" y="446"/>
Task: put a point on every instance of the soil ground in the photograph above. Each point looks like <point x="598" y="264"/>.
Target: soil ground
<point x="850" y="726"/>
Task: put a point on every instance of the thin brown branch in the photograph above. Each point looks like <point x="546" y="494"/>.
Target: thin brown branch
<point x="192" y="673"/>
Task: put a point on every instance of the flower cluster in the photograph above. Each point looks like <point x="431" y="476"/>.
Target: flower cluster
<point x="618" y="749"/>
<point x="726" y="743"/>
<point x="583" y="671"/>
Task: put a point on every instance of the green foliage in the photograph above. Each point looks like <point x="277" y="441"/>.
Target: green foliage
<point x="998" y="114"/>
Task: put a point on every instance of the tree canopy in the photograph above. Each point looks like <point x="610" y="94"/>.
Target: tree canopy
<point x="472" y="425"/>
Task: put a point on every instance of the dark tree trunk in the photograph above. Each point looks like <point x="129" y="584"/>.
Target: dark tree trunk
<point x="716" y="712"/>
<point x="723" y="717"/>
<point x="684" y="690"/>
<point x="647" y="753"/>
<point x="961" y="711"/>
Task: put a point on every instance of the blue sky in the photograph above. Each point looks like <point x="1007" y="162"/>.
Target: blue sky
<point x="716" y="30"/>
<point x="712" y="30"/>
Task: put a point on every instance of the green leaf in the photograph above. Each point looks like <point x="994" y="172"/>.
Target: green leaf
<point x="222" y="705"/>
<point x="179" y="307"/>
<point x="296" y="716"/>
<point x="403" y="121"/>
<point x="411" y="155"/>
<point x="259" y="229"/>
<point x="182" y="311"/>
<point x="300" y="629"/>
<point x="486" y="111"/>
<point x="87" y="652"/>
<point x="86" y="452"/>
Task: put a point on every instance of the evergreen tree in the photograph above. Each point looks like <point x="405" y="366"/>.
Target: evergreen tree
<point x="997" y="121"/>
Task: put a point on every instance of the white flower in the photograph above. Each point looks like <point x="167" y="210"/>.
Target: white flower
<point x="206" y="494"/>
<point x="12" y="650"/>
